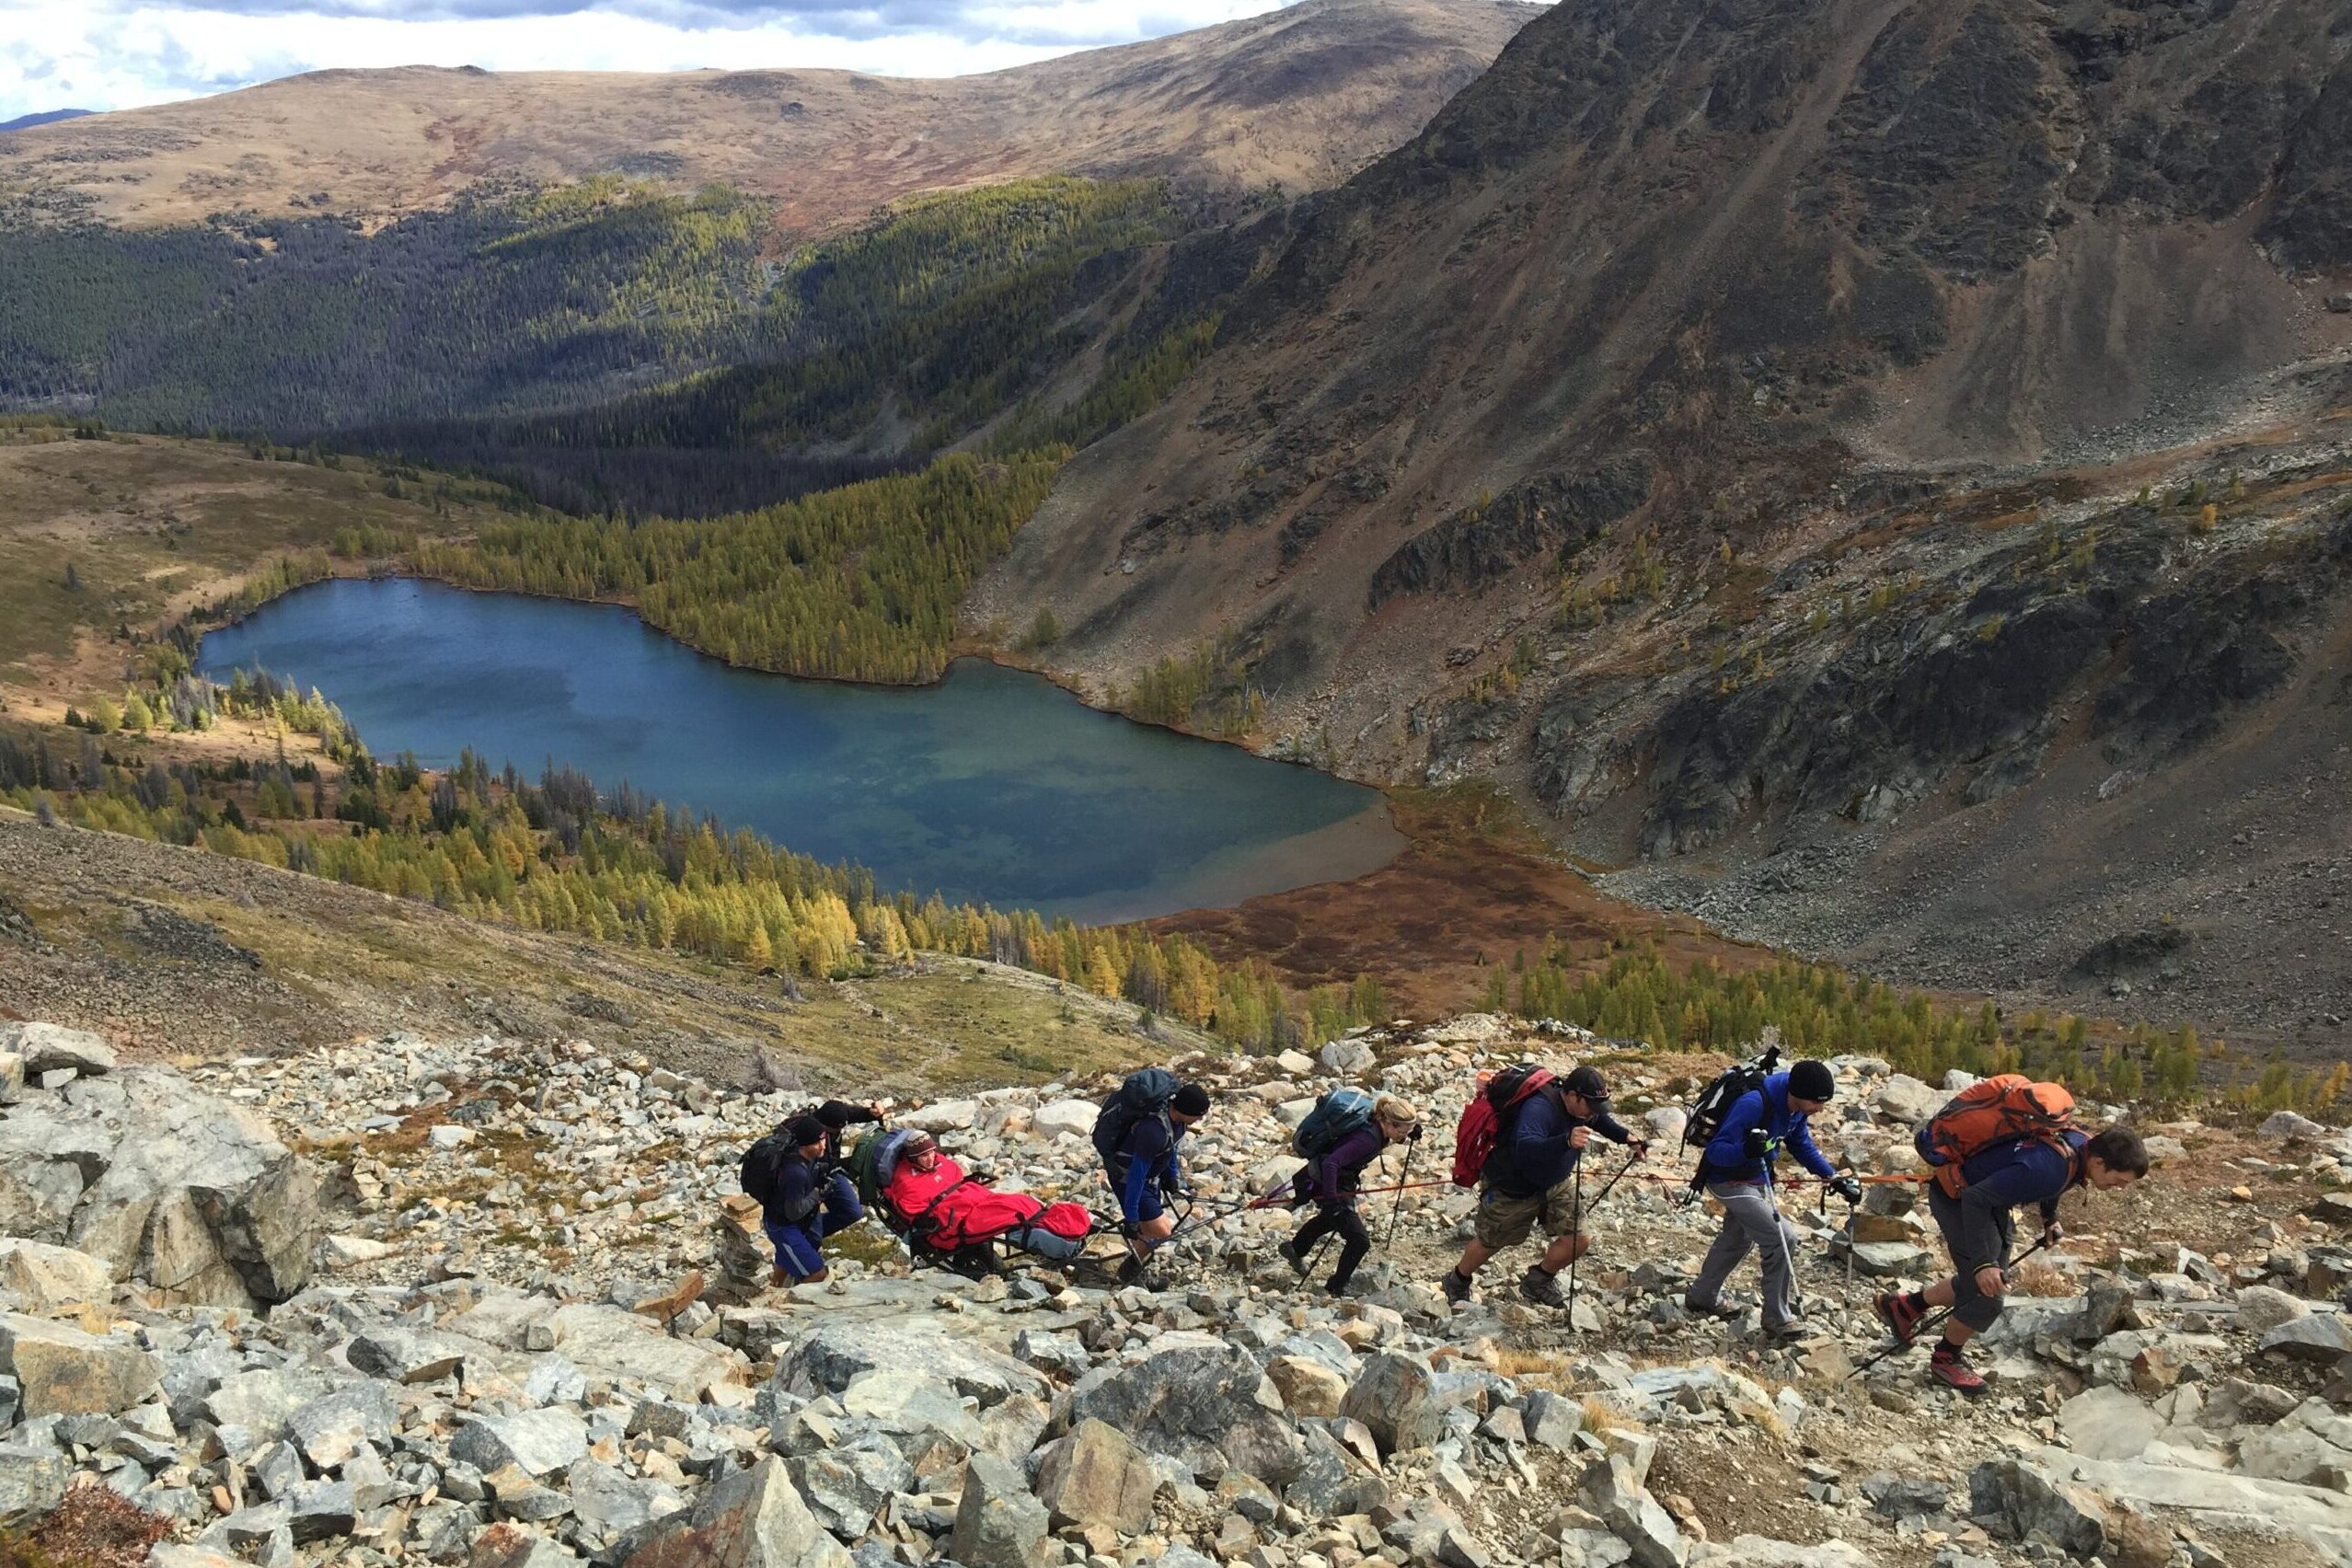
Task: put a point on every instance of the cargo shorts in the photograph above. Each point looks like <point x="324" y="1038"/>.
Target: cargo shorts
<point x="1503" y="1221"/>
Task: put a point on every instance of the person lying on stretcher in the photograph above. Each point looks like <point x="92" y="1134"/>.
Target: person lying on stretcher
<point x="930" y="1195"/>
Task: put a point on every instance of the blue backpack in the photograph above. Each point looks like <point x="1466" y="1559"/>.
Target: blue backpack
<point x="1146" y="1093"/>
<point x="1339" y="1113"/>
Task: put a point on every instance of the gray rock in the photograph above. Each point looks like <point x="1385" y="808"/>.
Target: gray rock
<point x="2106" y="1424"/>
<point x="844" y="1486"/>
<point x="322" y="1511"/>
<point x="1899" y="1497"/>
<point x="1905" y="1099"/>
<point x="2261" y="1308"/>
<point x="998" y="1523"/>
<point x="1552" y="1420"/>
<point x="31" y="1482"/>
<point x="1347" y="1057"/>
<point x="752" y="1519"/>
<point x="261" y="1401"/>
<point x="1396" y="1398"/>
<point x="511" y="1546"/>
<point x="539" y="1442"/>
<point x="835" y="1354"/>
<point x="1201" y="1404"/>
<point x="405" y="1354"/>
<point x="1616" y="1496"/>
<point x="2315" y="1340"/>
<point x="47" y="1048"/>
<point x="331" y="1429"/>
<point x="45" y="1278"/>
<point x="2026" y="1503"/>
<point x="60" y="1370"/>
<point x="1761" y="1551"/>
<point x="616" y="1501"/>
<point x="1092" y="1475"/>
<point x="2290" y="1124"/>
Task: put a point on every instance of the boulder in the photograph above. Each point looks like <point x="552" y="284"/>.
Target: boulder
<point x="2291" y="1453"/>
<point x="2263" y="1308"/>
<point x="1066" y="1118"/>
<point x="31" y="1482"/>
<point x="2289" y="1125"/>
<point x="1347" y="1057"/>
<point x="1309" y="1387"/>
<point x="335" y="1426"/>
<point x="1762" y="1552"/>
<point x="833" y="1355"/>
<point x="610" y="1499"/>
<point x="1552" y="1420"/>
<point x="2106" y="1424"/>
<point x="942" y="1116"/>
<point x="1092" y="1475"/>
<point x="753" y="1518"/>
<point x="166" y="1185"/>
<point x="407" y="1355"/>
<point x="48" y="1048"/>
<point x="46" y="1278"/>
<point x="2315" y="1340"/>
<point x="1205" y="1403"/>
<point x="1616" y="1495"/>
<point x="539" y="1442"/>
<point x="1905" y="1099"/>
<point x="60" y="1370"/>
<point x="847" y="1484"/>
<point x="2025" y="1502"/>
<point x="512" y="1546"/>
<point x="1396" y="1397"/>
<point x="998" y="1523"/>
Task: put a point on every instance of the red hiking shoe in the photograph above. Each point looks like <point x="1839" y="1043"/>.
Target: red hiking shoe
<point x="1902" y="1319"/>
<point x="1948" y="1368"/>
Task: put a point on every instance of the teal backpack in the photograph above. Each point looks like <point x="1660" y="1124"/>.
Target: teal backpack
<point x="1341" y="1112"/>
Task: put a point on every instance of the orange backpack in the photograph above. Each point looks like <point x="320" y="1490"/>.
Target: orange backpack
<point x="1997" y="1110"/>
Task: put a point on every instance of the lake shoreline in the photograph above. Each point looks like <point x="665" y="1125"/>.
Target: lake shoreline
<point x="1008" y="790"/>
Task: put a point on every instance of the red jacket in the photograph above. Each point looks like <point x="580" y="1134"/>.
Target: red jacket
<point x="955" y="1216"/>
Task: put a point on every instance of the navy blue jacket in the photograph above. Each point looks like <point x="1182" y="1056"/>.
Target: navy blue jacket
<point x="1727" y="1157"/>
<point x="1146" y="1157"/>
<point x="1533" y="1156"/>
<point x="2004" y="1177"/>
<point x="796" y="1182"/>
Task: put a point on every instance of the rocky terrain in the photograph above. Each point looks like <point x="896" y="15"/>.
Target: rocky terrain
<point x="1297" y="100"/>
<point x="467" y="1301"/>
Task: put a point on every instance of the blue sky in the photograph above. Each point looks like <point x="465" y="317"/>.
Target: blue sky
<point x="122" y="53"/>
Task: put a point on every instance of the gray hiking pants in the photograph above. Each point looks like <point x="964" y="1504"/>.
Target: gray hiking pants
<point x="1752" y="1221"/>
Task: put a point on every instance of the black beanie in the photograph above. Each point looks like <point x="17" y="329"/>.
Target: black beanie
<point x="1192" y="1100"/>
<point x="833" y="1114"/>
<point x="1812" y="1081"/>
<point x="804" y="1131"/>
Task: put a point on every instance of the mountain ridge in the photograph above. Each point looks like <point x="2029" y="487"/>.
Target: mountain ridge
<point x="1295" y="99"/>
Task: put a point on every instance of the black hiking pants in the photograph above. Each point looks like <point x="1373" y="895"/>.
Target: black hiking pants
<point x="1339" y="1219"/>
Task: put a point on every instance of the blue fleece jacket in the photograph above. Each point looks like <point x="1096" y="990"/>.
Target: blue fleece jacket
<point x="1727" y="1157"/>
<point x="1533" y="1155"/>
<point x="2008" y="1176"/>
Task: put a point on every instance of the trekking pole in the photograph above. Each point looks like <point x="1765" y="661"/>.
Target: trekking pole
<point x="1404" y="1179"/>
<point x="1578" y="1255"/>
<point x="1934" y="1320"/>
<point x="1619" y="1175"/>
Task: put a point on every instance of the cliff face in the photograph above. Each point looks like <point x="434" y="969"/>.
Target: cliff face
<point x="1534" y="450"/>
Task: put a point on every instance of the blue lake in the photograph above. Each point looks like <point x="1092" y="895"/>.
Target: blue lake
<point x="992" y="786"/>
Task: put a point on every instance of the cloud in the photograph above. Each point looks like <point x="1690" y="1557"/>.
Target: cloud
<point x="125" y="53"/>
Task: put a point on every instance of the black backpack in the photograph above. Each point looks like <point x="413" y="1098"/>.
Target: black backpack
<point x="761" y="1162"/>
<point x="1705" y="1117"/>
<point x="1146" y="1093"/>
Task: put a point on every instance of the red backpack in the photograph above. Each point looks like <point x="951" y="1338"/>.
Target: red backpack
<point x="1481" y="1125"/>
<point x="1999" y="1110"/>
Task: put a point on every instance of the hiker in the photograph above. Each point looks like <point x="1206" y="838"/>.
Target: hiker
<point x="802" y="1199"/>
<point x="1736" y="1169"/>
<point x="1329" y="1179"/>
<point x="839" y="1114"/>
<point x="934" y="1201"/>
<point x="1530" y="1176"/>
<point x="1136" y="1136"/>
<point x="1979" y="1229"/>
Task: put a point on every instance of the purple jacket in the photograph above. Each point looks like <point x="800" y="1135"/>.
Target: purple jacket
<point x="1336" y="1173"/>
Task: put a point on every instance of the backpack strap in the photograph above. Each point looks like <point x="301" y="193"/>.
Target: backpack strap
<point x="918" y="1221"/>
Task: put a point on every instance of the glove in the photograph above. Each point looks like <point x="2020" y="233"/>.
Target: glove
<point x="2052" y="1233"/>
<point x="1847" y="1188"/>
<point x="1130" y="1229"/>
<point x="1757" y="1146"/>
<point x="1415" y="1135"/>
<point x="1641" y="1148"/>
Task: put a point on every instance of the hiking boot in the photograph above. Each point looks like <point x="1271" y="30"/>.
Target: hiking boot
<point x="1542" y="1287"/>
<point x="1902" y="1319"/>
<point x="1132" y="1270"/>
<point x="1347" y="1289"/>
<point x="1289" y="1252"/>
<point x="1698" y="1308"/>
<point x="1457" y="1287"/>
<point x="1795" y="1328"/>
<point x="1948" y="1367"/>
